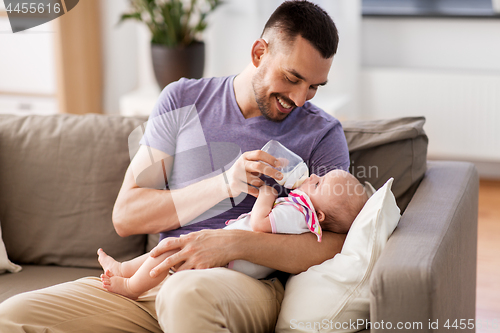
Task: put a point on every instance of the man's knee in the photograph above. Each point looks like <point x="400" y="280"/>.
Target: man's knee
<point x="189" y="301"/>
<point x="186" y="287"/>
<point x="216" y="300"/>
<point x="18" y="312"/>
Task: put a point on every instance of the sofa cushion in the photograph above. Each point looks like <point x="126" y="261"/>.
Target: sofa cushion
<point x="59" y="179"/>
<point x="35" y="277"/>
<point x="381" y="149"/>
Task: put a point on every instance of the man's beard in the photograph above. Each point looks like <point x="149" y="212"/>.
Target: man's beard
<point x="263" y="102"/>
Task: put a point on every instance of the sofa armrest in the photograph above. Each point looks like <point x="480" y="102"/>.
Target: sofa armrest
<point x="427" y="271"/>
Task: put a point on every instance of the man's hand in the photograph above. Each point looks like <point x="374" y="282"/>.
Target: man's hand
<point x="244" y="175"/>
<point x="216" y="248"/>
<point x="197" y="250"/>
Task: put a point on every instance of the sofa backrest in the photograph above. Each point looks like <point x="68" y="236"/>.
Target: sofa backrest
<point x="381" y="149"/>
<point x="59" y="178"/>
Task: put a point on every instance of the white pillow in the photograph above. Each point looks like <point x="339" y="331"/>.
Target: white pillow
<point x="5" y="263"/>
<point x="370" y="190"/>
<point x="331" y="296"/>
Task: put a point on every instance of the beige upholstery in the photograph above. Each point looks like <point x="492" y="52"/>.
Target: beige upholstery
<point x="59" y="178"/>
<point x="381" y="149"/>
<point x="34" y="277"/>
<point x="428" y="268"/>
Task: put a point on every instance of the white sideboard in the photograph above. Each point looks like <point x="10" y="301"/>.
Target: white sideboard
<point x="27" y="70"/>
<point x="54" y="67"/>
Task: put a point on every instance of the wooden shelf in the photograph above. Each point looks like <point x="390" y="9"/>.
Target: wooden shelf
<point x="21" y="94"/>
<point x="27" y="15"/>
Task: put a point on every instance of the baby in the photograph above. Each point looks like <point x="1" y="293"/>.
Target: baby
<point x="331" y="202"/>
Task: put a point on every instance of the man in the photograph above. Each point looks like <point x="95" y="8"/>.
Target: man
<point x="268" y="100"/>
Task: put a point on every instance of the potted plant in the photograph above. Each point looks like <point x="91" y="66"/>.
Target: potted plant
<point x="176" y="25"/>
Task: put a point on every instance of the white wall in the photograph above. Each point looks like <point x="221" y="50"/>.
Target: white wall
<point x="119" y="47"/>
<point x="426" y="43"/>
<point x="445" y="69"/>
<point x="27" y="78"/>
<point x="22" y="70"/>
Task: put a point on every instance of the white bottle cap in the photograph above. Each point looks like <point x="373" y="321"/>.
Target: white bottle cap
<point x="298" y="172"/>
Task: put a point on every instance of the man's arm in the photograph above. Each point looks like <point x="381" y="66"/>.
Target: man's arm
<point x="290" y="253"/>
<point x="142" y="207"/>
<point x="216" y="248"/>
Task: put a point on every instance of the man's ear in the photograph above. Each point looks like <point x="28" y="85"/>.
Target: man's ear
<point x="259" y="48"/>
<point x="321" y="215"/>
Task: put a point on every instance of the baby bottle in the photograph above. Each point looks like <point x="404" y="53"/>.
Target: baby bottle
<point x="292" y="166"/>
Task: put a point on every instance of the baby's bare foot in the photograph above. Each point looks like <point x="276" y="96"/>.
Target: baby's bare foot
<point x="108" y="263"/>
<point x="118" y="285"/>
<point x="105" y="279"/>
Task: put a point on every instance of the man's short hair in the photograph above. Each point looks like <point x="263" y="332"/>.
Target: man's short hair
<point x="300" y="17"/>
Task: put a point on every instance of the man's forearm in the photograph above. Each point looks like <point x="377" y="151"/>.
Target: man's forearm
<point x="142" y="210"/>
<point x="288" y="253"/>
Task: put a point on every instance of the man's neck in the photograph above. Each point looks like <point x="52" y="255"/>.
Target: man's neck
<point x="243" y="91"/>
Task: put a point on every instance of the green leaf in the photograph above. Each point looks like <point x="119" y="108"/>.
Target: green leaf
<point x="171" y="20"/>
<point x="132" y="16"/>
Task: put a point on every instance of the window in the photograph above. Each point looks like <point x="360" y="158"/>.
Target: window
<point x="431" y="8"/>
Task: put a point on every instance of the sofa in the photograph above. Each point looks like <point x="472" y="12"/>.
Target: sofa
<point x="60" y="175"/>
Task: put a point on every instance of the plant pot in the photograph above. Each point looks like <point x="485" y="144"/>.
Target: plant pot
<point x="170" y="64"/>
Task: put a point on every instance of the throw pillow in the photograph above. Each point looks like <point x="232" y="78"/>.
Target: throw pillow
<point x="370" y="190"/>
<point x="334" y="295"/>
<point x="5" y="263"/>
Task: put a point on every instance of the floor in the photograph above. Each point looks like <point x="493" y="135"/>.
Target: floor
<point x="488" y="255"/>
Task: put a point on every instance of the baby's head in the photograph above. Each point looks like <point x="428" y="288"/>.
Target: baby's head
<point x="337" y="197"/>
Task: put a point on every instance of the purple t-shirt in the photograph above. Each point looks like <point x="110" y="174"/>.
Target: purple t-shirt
<point x="200" y="125"/>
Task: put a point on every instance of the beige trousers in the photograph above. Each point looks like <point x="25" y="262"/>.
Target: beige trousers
<point x="211" y="300"/>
